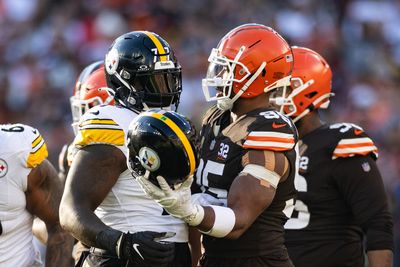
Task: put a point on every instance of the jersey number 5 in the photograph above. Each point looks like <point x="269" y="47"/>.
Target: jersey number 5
<point x="211" y="167"/>
<point x="301" y="216"/>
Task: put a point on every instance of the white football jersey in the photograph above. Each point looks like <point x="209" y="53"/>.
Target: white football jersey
<point x="21" y="149"/>
<point x="126" y="207"/>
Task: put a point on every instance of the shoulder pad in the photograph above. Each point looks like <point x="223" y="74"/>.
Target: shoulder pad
<point x="271" y="130"/>
<point x="211" y="114"/>
<point x="38" y="148"/>
<point x="96" y="127"/>
<point x="352" y="140"/>
<point x="28" y="141"/>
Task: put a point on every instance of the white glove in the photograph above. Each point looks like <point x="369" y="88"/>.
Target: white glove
<point x="176" y="202"/>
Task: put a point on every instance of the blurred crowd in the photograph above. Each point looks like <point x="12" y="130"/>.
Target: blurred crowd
<point x="44" y="44"/>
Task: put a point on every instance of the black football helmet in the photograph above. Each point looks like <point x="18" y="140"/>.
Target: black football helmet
<point x="143" y="71"/>
<point x="163" y="143"/>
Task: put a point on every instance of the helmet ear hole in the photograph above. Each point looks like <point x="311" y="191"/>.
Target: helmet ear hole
<point x="311" y="95"/>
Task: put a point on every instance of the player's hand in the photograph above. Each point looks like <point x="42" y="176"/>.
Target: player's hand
<point x="176" y="202"/>
<point x="143" y="248"/>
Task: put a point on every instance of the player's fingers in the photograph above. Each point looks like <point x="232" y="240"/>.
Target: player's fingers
<point x="150" y="189"/>
<point x="164" y="185"/>
<point x="188" y="182"/>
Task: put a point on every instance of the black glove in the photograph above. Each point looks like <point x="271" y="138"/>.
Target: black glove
<point x="141" y="249"/>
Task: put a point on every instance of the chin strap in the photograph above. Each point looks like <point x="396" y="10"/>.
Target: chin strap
<point x="110" y="92"/>
<point x="227" y="104"/>
<point x="312" y="106"/>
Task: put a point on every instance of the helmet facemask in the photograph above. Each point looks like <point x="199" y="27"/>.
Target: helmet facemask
<point x="221" y="76"/>
<point x="144" y="72"/>
<point x="159" y="89"/>
<point x="284" y="98"/>
<point x="81" y="106"/>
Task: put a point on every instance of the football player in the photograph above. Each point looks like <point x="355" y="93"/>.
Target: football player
<point x="247" y="155"/>
<point x="341" y="197"/>
<point x="90" y="90"/>
<point x="103" y="206"/>
<point x="29" y="187"/>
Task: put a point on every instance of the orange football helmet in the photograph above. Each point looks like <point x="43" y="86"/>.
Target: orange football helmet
<point x="310" y="86"/>
<point x="250" y="60"/>
<point x="90" y="90"/>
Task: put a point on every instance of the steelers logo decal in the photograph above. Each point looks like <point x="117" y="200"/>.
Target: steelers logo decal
<point x="149" y="159"/>
<point x="111" y="62"/>
<point x="3" y="168"/>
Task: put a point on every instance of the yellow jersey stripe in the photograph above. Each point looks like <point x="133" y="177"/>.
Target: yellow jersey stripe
<point x="182" y="137"/>
<point x="100" y="136"/>
<point x="158" y="44"/>
<point x="35" y="158"/>
<point x="37" y="141"/>
<point x="99" y="121"/>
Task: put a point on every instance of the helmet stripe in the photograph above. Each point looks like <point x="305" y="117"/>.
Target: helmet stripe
<point x="157" y="43"/>
<point x="182" y="137"/>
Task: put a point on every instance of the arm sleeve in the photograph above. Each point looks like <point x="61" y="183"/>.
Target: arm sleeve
<point x="359" y="180"/>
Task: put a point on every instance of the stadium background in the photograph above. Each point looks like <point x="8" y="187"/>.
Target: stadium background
<point x="44" y="44"/>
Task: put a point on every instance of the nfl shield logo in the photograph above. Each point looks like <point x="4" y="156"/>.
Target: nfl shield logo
<point x="366" y="167"/>
<point x="212" y="144"/>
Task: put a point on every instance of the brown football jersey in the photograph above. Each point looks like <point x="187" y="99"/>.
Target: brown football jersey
<point x="223" y="147"/>
<point x="340" y="200"/>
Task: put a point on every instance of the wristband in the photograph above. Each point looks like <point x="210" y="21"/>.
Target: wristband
<point x="224" y="222"/>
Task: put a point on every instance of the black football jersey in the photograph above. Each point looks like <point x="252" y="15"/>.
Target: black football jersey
<point x="340" y="195"/>
<point x="223" y="145"/>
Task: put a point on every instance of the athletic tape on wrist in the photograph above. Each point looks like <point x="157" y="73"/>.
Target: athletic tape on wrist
<point x="224" y="221"/>
<point x="262" y="173"/>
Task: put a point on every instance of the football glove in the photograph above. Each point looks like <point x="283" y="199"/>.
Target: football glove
<point x="143" y="248"/>
<point x="176" y="202"/>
